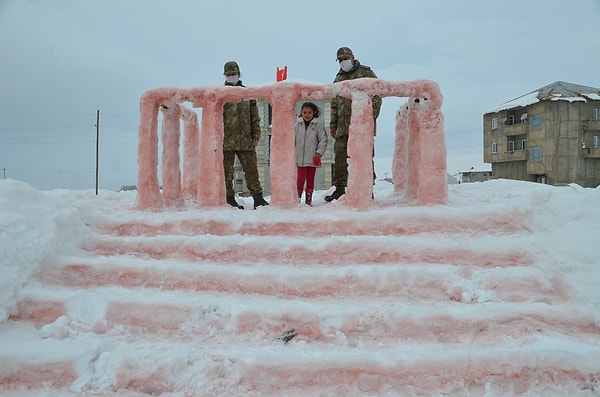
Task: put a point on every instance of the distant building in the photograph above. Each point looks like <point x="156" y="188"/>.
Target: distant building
<point x="551" y="135"/>
<point x="324" y="175"/>
<point x="475" y="176"/>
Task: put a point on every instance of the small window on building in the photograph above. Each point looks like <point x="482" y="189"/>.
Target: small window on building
<point x="494" y="123"/>
<point x="524" y="144"/>
<point x="536" y="122"/>
<point x="596" y="114"/>
<point x="596" y="140"/>
<point x="510" y="120"/>
<point x="494" y="148"/>
<point x="536" y="154"/>
<point x="511" y="146"/>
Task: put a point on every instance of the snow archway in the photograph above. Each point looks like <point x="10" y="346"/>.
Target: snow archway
<point x="419" y="164"/>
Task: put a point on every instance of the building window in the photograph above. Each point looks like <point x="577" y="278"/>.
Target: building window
<point x="536" y="154"/>
<point x="596" y="114"/>
<point x="511" y="146"/>
<point x="511" y="119"/>
<point x="596" y="140"/>
<point x="524" y="144"/>
<point x="536" y="122"/>
<point x="494" y="123"/>
<point x="494" y="148"/>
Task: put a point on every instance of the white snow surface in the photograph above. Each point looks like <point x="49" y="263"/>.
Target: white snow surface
<point x="365" y="325"/>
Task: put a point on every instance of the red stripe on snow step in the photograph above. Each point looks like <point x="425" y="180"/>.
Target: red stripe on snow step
<point x="54" y="375"/>
<point x="487" y="224"/>
<point x="338" y="254"/>
<point x="382" y="282"/>
<point x="482" y="326"/>
<point x="39" y="312"/>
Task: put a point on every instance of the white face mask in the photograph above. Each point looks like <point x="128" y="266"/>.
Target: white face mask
<point x="232" y="79"/>
<point x="346" y="65"/>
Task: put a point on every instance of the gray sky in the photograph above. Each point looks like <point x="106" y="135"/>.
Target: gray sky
<point x="62" y="60"/>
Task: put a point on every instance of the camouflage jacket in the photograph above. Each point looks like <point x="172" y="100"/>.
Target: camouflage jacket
<point x="341" y="108"/>
<point x="241" y="124"/>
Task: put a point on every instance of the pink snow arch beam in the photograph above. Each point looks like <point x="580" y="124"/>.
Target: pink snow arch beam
<point x="419" y="159"/>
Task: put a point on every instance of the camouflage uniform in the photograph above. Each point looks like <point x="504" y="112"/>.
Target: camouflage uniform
<point x="341" y="111"/>
<point x="241" y="126"/>
<point x="241" y="129"/>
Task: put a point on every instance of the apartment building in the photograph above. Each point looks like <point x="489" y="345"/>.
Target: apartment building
<point x="550" y="135"/>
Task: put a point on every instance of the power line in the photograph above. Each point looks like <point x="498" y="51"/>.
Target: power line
<point x="121" y="117"/>
<point x="97" y="141"/>
<point x="71" y="127"/>
<point x="55" y="117"/>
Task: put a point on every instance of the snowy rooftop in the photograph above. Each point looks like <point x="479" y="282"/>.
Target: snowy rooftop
<point x="558" y="91"/>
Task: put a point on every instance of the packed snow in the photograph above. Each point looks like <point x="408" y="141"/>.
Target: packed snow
<point x="100" y="325"/>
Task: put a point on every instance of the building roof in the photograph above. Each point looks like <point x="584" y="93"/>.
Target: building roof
<point x="557" y="91"/>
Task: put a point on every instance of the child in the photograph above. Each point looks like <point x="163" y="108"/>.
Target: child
<point x="311" y="143"/>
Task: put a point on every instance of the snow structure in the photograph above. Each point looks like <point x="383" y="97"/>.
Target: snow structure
<point x="418" y="173"/>
<point x="493" y="294"/>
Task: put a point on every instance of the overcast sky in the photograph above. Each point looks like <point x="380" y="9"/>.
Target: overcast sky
<point x="62" y="60"/>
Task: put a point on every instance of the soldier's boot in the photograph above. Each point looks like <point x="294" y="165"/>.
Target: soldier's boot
<point x="231" y="201"/>
<point x="259" y="200"/>
<point x="339" y="191"/>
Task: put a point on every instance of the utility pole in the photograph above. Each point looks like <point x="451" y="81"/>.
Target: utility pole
<point x="97" y="140"/>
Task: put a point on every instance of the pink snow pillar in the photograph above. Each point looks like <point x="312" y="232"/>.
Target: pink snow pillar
<point x="360" y="151"/>
<point x="400" y="156"/>
<point x="419" y="163"/>
<point x="211" y="189"/>
<point x="170" y="135"/>
<point x="283" y="154"/>
<point x="191" y="155"/>
<point x="148" y="191"/>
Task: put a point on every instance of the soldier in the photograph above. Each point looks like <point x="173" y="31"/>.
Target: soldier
<point x="241" y="127"/>
<point x="341" y="109"/>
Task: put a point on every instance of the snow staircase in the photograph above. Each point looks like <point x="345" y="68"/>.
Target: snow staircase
<point x="389" y="302"/>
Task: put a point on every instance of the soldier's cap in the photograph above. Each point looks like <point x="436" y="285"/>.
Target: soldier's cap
<point x="344" y="51"/>
<point x="231" y="67"/>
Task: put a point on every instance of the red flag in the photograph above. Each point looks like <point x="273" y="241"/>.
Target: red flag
<point x="281" y="74"/>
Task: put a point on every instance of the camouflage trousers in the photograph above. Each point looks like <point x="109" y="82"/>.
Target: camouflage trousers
<point x="340" y="166"/>
<point x="248" y="161"/>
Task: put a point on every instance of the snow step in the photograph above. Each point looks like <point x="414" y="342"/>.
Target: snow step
<point x="389" y="301"/>
<point x="438" y="283"/>
<point x="423" y="369"/>
<point x="289" y="250"/>
<point x="388" y="222"/>
<point x="357" y="322"/>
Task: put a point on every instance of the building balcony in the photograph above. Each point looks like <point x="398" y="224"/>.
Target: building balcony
<point x="592" y="124"/>
<point x="514" y="155"/>
<point x="590" y="152"/>
<point x="512" y="129"/>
